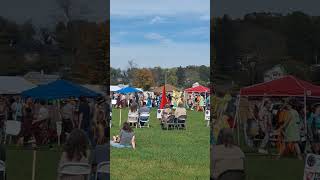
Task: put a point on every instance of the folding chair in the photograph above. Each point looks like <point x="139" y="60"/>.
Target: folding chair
<point x="170" y="122"/>
<point x="181" y="122"/>
<point x="75" y="169"/>
<point x="102" y="168"/>
<point x="3" y="169"/>
<point x="207" y="117"/>
<point x="12" y="128"/>
<point x="110" y="120"/>
<point x="133" y="118"/>
<point x="232" y="171"/>
<point x="144" y="118"/>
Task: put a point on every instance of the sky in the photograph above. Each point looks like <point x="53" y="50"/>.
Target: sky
<point x="166" y="33"/>
<point x="44" y="13"/>
<point x="236" y="8"/>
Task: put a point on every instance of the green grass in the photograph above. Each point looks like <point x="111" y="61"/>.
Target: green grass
<point x="162" y="154"/>
<point x="19" y="164"/>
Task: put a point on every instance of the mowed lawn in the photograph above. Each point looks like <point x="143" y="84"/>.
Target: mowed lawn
<point x="19" y="164"/>
<point x="162" y="154"/>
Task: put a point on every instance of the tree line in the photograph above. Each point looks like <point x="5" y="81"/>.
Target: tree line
<point x="181" y="77"/>
<point x="244" y="48"/>
<point x="75" y="48"/>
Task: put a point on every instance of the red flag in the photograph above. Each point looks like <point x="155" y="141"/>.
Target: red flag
<point x="163" y="98"/>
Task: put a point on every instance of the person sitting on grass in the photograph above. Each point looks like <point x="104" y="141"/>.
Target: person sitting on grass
<point x="76" y="150"/>
<point x="225" y="155"/>
<point x="125" y="139"/>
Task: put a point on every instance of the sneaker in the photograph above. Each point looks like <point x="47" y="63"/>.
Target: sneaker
<point x="262" y="151"/>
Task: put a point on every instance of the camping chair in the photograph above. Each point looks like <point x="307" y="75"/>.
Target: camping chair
<point x="170" y="122"/>
<point x="181" y="122"/>
<point x="75" y="169"/>
<point x="3" y="169"/>
<point x="133" y="118"/>
<point x="144" y="118"/>
<point x="207" y="117"/>
<point x="12" y="128"/>
<point x="102" y="168"/>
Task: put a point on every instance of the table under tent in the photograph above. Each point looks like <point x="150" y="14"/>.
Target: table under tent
<point x="288" y="86"/>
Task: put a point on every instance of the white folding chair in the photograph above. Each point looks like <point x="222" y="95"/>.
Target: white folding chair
<point x="75" y="169"/>
<point x="133" y="118"/>
<point x="102" y="168"/>
<point x="3" y="168"/>
<point x="144" y="118"/>
<point x="110" y="123"/>
<point x="207" y="117"/>
<point x="12" y="128"/>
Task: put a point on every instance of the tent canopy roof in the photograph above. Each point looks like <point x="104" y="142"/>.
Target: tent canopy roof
<point x="59" y="89"/>
<point x="14" y="85"/>
<point x="128" y="90"/>
<point x="285" y="86"/>
<point x="198" y="89"/>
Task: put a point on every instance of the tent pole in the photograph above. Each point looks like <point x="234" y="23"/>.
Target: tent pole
<point x="120" y="118"/>
<point x="305" y="112"/>
<point x="237" y="119"/>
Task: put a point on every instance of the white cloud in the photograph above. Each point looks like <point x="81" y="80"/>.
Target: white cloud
<point x="157" y="37"/>
<point x="171" y="55"/>
<point x="198" y="31"/>
<point x="157" y="20"/>
<point x="159" y="7"/>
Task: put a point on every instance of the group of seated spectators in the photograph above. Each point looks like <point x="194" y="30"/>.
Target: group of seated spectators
<point x="171" y="115"/>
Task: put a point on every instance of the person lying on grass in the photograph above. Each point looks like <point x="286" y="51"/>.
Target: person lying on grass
<point x="76" y="150"/>
<point x="125" y="139"/>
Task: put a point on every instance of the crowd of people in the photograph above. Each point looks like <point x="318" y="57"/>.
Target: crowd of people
<point x="38" y="118"/>
<point x="193" y="101"/>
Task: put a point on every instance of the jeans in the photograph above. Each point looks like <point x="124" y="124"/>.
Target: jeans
<point x="118" y="145"/>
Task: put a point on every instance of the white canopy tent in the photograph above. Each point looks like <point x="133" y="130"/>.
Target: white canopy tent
<point x="114" y="88"/>
<point x="14" y="85"/>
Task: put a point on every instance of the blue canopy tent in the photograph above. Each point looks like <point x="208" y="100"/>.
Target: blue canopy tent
<point x="59" y="89"/>
<point x="128" y="90"/>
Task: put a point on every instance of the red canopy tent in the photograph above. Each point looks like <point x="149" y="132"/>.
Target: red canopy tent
<point x="198" y="89"/>
<point x="286" y="86"/>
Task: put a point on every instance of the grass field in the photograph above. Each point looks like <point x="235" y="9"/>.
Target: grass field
<point x="162" y="154"/>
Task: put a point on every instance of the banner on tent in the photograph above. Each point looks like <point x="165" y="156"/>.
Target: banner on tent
<point x="312" y="167"/>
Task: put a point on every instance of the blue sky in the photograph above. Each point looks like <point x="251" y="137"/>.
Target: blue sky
<point x="166" y="33"/>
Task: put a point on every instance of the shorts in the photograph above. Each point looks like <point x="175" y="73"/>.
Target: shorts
<point x="118" y="145"/>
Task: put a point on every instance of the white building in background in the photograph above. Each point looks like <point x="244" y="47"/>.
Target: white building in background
<point x="274" y="73"/>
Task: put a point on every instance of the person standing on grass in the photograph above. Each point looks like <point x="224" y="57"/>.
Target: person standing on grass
<point x="84" y="111"/>
<point x="314" y="122"/>
<point x="265" y="124"/>
<point x="291" y="129"/>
